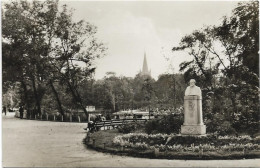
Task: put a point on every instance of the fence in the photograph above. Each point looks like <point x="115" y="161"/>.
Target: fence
<point x="68" y="117"/>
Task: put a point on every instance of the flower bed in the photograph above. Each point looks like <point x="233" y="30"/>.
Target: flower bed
<point x="166" y="147"/>
<point x="177" y="143"/>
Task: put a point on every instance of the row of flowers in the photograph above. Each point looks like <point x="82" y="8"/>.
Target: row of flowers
<point x="173" y="139"/>
<point x="143" y="141"/>
<point x="244" y="137"/>
<point x="144" y="135"/>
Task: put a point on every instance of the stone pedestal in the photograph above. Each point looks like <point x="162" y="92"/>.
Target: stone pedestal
<point x="193" y="122"/>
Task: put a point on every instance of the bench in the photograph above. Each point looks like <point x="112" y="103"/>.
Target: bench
<point x="115" y="123"/>
<point x="108" y="124"/>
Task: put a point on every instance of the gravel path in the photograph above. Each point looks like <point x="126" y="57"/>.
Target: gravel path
<point x="28" y="143"/>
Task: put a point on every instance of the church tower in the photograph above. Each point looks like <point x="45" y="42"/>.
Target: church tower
<point x="145" y="71"/>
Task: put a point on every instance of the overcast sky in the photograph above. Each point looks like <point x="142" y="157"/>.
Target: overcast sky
<point x="130" y="28"/>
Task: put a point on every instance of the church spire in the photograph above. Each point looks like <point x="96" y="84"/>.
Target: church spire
<point x="145" y="70"/>
<point x="145" y="67"/>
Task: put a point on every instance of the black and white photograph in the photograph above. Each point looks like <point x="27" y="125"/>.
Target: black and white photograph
<point x="130" y="83"/>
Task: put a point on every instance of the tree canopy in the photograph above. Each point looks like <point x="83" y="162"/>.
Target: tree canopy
<point x="44" y="49"/>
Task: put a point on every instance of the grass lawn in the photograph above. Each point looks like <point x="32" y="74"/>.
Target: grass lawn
<point x="102" y="137"/>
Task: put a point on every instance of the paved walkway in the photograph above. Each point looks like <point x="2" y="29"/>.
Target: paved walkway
<point x="28" y="143"/>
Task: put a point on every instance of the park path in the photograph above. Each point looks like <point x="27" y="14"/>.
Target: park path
<point x="28" y="143"/>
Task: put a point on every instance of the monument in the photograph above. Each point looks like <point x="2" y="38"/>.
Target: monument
<point x="193" y="122"/>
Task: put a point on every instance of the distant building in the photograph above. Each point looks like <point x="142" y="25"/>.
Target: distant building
<point x="145" y="71"/>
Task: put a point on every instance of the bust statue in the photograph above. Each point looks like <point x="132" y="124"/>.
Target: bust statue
<point x="193" y="90"/>
<point x="193" y="120"/>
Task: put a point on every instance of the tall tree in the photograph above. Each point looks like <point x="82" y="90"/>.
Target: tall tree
<point x="75" y="48"/>
<point x="47" y="46"/>
<point x="225" y="61"/>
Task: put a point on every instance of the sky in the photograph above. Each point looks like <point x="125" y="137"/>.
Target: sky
<point x="130" y="28"/>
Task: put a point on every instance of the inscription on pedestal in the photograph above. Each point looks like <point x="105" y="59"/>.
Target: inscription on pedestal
<point x="193" y="129"/>
<point x="190" y="130"/>
<point x="191" y="108"/>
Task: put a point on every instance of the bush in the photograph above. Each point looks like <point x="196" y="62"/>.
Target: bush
<point x="220" y="125"/>
<point x="226" y="129"/>
<point x="168" y="124"/>
<point x="127" y="128"/>
<point x="152" y="126"/>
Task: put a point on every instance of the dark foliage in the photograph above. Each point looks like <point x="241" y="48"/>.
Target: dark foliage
<point x="129" y="127"/>
<point x="167" y="124"/>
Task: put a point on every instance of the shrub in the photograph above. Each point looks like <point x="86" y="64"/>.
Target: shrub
<point x="167" y="124"/>
<point x="220" y="126"/>
<point x="226" y="129"/>
<point x="129" y="127"/>
<point x="151" y="126"/>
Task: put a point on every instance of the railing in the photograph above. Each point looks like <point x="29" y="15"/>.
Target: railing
<point x="51" y="117"/>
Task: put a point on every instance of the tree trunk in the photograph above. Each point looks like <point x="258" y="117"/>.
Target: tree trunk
<point x="25" y="95"/>
<point x="200" y="65"/>
<point x="113" y="101"/>
<point x="38" y="104"/>
<point x="77" y="98"/>
<point x="57" y="98"/>
<point x="233" y="101"/>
